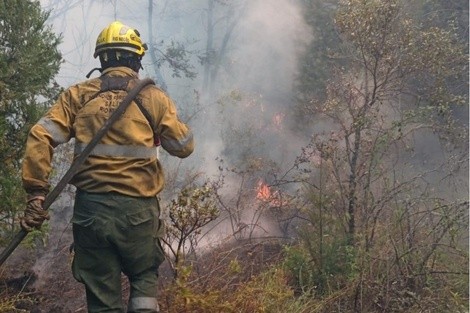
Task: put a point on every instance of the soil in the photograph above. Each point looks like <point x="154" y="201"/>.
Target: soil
<point x="43" y="282"/>
<point x="47" y="285"/>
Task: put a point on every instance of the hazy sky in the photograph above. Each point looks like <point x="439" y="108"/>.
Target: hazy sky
<point x="264" y="45"/>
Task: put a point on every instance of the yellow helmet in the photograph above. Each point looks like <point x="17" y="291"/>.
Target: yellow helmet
<point x="118" y="36"/>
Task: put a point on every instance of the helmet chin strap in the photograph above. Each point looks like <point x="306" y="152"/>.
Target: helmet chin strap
<point x="95" y="69"/>
<point x="134" y="65"/>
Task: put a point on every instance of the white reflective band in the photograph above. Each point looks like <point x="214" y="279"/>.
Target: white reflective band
<point x="172" y="145"/>
<point x="140" y="152"/>
<point x="54" y="130"/>
<point x="139" y="303"/>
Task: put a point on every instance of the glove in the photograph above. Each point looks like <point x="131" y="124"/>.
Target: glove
<point x="34" y="214"/>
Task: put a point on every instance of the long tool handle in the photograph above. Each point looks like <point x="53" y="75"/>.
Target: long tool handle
<point x="52" y="196"/>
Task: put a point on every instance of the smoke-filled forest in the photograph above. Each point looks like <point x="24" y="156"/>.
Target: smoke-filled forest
<point x="330" y="171"/>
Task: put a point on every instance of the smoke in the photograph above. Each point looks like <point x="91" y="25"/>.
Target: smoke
<point x="268" y="47"/>
<point x="240" y="114"/>
<point x="258" y="41"/>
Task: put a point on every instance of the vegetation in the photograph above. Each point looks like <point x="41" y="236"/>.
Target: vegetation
<point x="188" y="214"/>
<point x="374" y="234"/>
<point x="372" y="215"/>
<point x="373" y="227"/>
<point x="29" y="60"/>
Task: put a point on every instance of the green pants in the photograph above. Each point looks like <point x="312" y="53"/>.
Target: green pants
<point x="116" y="234"/>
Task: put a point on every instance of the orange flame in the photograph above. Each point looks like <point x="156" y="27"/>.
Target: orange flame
<point x="265" y="195"/>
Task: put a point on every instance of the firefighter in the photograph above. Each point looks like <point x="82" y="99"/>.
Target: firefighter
<point x="116" y="225"/>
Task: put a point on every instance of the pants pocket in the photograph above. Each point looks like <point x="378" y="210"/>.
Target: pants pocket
<point x="85" y="232"/>
<point x="141" y="225"/>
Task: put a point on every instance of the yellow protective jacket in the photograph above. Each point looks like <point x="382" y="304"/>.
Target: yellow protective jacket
<point x="125" y="160"/>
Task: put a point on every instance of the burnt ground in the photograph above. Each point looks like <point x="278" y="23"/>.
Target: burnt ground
<point x="50" y="289"/>
<point x="46" y="285"/>
<point x="42" y="282"/>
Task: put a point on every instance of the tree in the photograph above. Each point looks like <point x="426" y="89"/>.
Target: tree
<point x="214" y="56"/>
<point x="318" y="58"/>
<point x="394" y="84"/>
<point x="390" y="91"/>
<point x="389" y="54"/>
<point x="29" y="60"/>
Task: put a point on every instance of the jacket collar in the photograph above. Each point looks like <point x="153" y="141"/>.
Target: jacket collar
<point x="120" y="71"/>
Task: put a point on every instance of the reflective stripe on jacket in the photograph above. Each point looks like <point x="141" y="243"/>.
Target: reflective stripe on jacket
<point x="125" y="160"/>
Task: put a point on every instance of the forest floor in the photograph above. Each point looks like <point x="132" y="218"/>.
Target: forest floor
<point x="40" y="280"/>
<point x="39" y="285"/>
